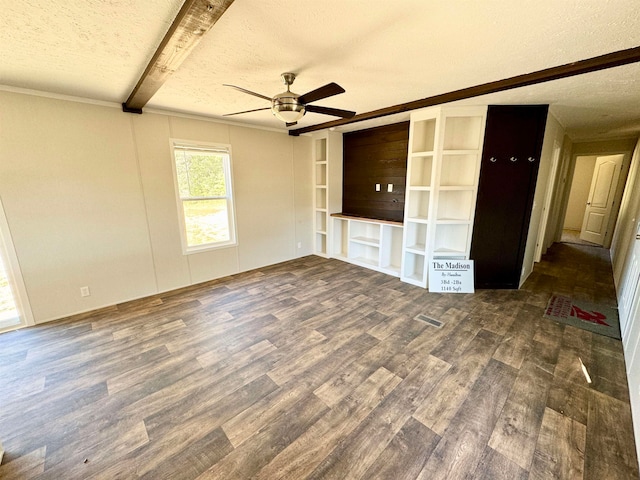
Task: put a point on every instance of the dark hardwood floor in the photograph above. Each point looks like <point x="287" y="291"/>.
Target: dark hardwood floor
<point x="317" y="369"/>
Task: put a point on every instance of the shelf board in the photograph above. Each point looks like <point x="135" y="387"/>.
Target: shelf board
<point x="440" y="252"/>
<point x="415" y="279"/>
<point x="419" y="188"/>
<point x="321" y="209"/>
<point x="457" y="188"/>
<point x="391" y="269"/>
<point x="321" y="162"/>
<point x="452" y="221"/>
<point x="321" y="186"/>
<point x="419" y="248"/>
<point x="321" y="232"/>
<point x="461" y="152"/>
<point x="418" y="219"/>
<point x="364" y="261"/>
<point x="428" y="153"/>
<point x="373" y="242"/>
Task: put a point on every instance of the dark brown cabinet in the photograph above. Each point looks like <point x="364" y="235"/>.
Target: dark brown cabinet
<point x="508" y="174"/>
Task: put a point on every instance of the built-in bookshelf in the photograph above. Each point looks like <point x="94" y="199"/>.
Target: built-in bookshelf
<point x="443" y="165"/>
<point x="327" y="185"/>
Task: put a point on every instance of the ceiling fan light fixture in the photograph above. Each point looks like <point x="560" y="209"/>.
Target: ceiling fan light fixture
<point x="286" y="107"/>
<point x="290" y="107"/>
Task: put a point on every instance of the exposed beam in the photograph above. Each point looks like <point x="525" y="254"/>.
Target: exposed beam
<point x="195" y="18"/>
<point x="609" y="60"/>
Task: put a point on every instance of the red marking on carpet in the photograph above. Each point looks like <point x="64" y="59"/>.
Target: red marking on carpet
<point x="593" y="317"/>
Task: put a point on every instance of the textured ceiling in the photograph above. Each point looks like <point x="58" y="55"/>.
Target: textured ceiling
<point x="383" y="53"/>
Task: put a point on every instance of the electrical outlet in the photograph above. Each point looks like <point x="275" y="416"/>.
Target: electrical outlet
<point x="390" y="187"/>
<point x="84" y="292"/>
<point x="377" y="187"/>
<point x="299" y="244"/>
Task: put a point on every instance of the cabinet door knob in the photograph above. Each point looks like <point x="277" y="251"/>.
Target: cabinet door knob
<point x="531" y="159"/>
<point x="493" y="159"/>
<point x="513" y="159"/>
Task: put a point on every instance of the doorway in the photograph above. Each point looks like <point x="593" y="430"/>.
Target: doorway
<point x="15" y="311"/>
<point x="593" y="202"/>
<point x="9" y="316"/>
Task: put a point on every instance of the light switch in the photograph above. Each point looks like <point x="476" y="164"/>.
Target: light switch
<point x="390" y="187"/>
<point x="377" y="187"/>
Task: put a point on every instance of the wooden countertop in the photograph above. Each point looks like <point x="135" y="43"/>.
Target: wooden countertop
<point x="365" y="219"/>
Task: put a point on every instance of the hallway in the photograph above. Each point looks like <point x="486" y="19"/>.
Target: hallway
<point x="579" y="271"/>
<point x="314" y="369"/>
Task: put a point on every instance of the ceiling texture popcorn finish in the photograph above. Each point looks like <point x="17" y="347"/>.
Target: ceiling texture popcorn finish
<point x="383" y="54"/>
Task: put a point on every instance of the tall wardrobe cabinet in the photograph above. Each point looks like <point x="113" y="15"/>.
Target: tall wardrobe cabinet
<point x="508" y="173"/>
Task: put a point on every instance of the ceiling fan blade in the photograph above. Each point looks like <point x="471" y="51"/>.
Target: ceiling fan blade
<point x="329" y="90"/>
<point x="330" y="111"/>
<point x="246" y="111"/>
<point x="248" y="91"/>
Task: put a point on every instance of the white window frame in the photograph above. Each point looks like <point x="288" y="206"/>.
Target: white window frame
<point x="228" y="177"/>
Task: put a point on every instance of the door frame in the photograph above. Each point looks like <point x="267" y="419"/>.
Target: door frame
<point x="622" y="180"/>
<point x="613" y="184"/>
<point x="546" y="207"/>
<point x="12" y="265"/>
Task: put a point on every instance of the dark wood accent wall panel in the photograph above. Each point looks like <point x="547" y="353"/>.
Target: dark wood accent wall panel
<point x="375" y="155"/>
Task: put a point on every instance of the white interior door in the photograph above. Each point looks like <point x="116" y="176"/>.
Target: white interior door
<point x="601" y="197"/>
<point x="629" y="296"/>
<point x="633" y="371"/>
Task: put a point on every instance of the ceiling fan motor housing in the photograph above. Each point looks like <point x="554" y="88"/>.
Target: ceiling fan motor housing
<point x="286" y="107"/>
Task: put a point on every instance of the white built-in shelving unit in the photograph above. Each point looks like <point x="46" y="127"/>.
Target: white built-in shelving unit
<point x="374" y="244"/>
<point x="443" y="165"/>
<point x="327" y="187"/>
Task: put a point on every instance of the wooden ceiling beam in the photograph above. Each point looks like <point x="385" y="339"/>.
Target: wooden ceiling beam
<point x="609" y="60"/>
<point x="194" y="20"/>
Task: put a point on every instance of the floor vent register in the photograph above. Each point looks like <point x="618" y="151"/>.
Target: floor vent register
<point x="431" y="321"/>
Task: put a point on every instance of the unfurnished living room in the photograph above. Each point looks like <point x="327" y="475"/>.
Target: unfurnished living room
<point x="247" y="239"/>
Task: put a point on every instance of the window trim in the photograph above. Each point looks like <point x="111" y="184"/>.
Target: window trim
<point x="176" y="143"/>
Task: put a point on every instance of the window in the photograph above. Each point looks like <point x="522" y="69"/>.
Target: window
<point x="202" y="175"/>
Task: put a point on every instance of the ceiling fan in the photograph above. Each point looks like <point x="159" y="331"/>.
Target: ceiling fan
<point x="291" y="107"/>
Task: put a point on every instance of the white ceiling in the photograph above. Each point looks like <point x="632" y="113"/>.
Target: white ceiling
<point x="382" y="52"/>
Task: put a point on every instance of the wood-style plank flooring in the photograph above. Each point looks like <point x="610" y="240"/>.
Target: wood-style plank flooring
<point x="317" y="369"/>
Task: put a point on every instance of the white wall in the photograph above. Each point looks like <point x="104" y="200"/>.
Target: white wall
<point x="579" y="192"/>
<point x="625" y="231"/>
<point x="554" y="133"/>
<point x="89" y="198"/>
<point x="622" y="245"/>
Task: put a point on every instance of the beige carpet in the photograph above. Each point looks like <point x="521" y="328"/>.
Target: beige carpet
<point x="573" y="236"/>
